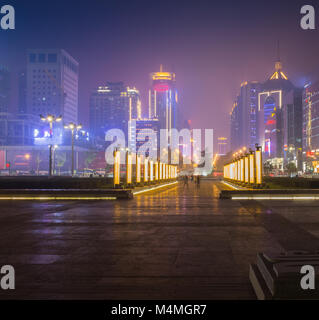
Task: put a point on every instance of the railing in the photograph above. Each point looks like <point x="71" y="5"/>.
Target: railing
<point x="140" y="170"/>
<point x="245" y="169"/>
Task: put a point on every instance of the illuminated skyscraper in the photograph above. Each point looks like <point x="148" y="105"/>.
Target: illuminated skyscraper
<point x="222" y="146"/>
<point x="280" y="119"/>
<point x="5" y="89"/>
<point x="112" y="107"/>
<point x="163" y="99"/>
<point x="52" y="84"/>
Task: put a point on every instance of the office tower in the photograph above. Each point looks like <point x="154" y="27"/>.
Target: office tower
<point x="5" y="88"/>
<point x="22" y="100"/>
<point x="236" y="129"/>
<point x="163" y="99"/>
<point x="222" y="146"/>
<point x="248" y="99"/>
<point x="52" y="84"/>
<point x="310" y="130"/>
<point x="142" y="131"/>
<point x="279" y="119"/>
<point x="112" y="107"/>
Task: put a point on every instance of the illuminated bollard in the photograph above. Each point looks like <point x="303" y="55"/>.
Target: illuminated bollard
<point x="128" y="168"/>
<point x="146" y="170"/>
<point x="138" y="168"/>
<point x="151" y="170"/>
<point x="246" y="169"/>
<point x="236" y="170"/>
<point x="252" y="167"/>
<point x="258" y="162"/>
<point x="160" y="175"/>
<point x="166" y="173"/>
<point x="242" y="170"/>
<point x="116" y="168"/>
<point x="156" y="171"/>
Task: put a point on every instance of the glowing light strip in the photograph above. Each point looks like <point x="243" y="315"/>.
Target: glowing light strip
<point x="155" y="188"/>
<point x="275" y="198"/>
<point x="230" y="185"/>
<point x="57" y="198"/>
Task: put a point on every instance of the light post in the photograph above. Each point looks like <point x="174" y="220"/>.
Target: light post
<point x="50" y="118"/>
<point x="73" y="127"/>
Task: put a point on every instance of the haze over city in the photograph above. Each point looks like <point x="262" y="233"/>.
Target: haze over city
<point x="212" y="47"/>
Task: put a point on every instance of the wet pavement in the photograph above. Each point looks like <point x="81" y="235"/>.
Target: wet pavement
<point x="177" y="243"/>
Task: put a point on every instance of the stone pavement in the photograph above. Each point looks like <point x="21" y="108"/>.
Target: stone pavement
<point x="178" y="243"/>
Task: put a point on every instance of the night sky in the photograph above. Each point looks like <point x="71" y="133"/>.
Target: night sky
<point x="212" y="46"/>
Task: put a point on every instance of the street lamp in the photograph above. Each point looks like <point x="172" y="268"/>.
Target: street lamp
<point x="50" y="118"/>
<point x="73" y="127"/>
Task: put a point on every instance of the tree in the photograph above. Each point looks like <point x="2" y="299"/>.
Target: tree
<point x="60" y="160"/>
<point x="268" y="167"/>
<point x="90" y="157"/>
<point x="291" y="168"/>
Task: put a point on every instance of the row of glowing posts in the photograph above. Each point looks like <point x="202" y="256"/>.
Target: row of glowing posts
<point x="153" y="170"/>
<point x="245" y="168"/>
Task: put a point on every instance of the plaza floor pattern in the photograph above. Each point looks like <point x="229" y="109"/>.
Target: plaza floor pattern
<point x="177" y="243"/>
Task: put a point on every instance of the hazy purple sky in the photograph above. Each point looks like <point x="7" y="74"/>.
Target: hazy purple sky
<point x="211" y="45"/>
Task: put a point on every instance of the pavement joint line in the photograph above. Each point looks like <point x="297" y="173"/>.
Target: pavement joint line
<point x="275" y="198"/>
<point x="154" y="188"/>
<point x="57" y="198"/>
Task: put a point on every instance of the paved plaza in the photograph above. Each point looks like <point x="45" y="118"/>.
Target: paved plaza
<point x="176" y="243"/>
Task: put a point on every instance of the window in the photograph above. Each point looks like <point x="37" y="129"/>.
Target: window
<point x="32" y="58"/>
<point x="52" y="57"/>
<point x="41" y="57"/>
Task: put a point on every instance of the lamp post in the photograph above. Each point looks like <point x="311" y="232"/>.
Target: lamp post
<point x="73" y="127"/>
<point x="50" y="118"/>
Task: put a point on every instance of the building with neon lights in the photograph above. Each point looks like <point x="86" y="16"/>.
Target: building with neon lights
<point x="163" y="99"/>
<point x="280" y="120"/>
<point x="310" y="131"/>
<point x="222" y="146"/>
<point x="244" y="116"/>
<point x="142" y="131"/>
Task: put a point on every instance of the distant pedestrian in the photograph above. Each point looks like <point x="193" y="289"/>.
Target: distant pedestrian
<point x="186" y="181"/>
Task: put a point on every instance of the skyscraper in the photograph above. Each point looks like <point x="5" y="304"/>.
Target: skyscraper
<point x="249" y="103"/>
<point x="279" y="119"/>
<point x="112" y="107"/>
<point x="244" y="116"/>
<point x="163" y="99"/>
<point x="222" y="146"/>
<point x="236" y="129"/>
<point x="52" y="84"/>
<point x="5" y="89"/>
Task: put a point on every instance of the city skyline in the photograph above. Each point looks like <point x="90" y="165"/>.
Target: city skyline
<point x="211" y="56"/>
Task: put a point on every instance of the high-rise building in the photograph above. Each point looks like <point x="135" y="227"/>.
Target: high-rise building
<point x="222" y="146"/>
<point x="279" y="120"/>
<point x="52" y="84"/>
<point x="249" y="104"/>
<point x="311" y="127"/>
<point x="5" y="89"/>
<point x="112" y="107"/>
<point x="163" y="99"/>
<point x="22" y="103"/>
<point x="236" y="129"/>
<point x="244" y="116"/>
<point x="142" y="131"/>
